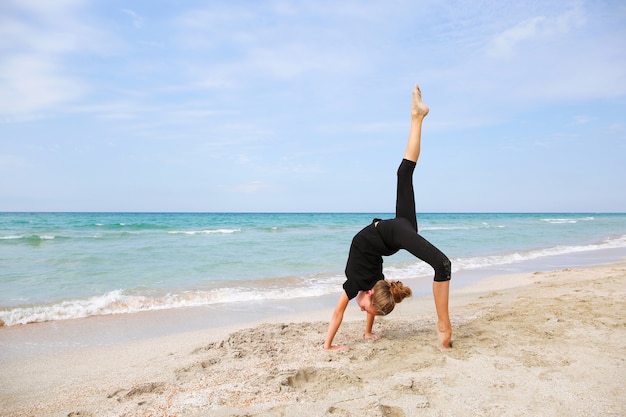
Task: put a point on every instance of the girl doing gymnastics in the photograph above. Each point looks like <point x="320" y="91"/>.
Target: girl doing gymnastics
<point x="364" y="270"/>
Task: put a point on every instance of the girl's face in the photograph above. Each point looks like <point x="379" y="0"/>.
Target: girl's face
<point x="364" y="300"/>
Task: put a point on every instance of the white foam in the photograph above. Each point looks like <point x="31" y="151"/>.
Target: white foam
<point x="204" y="232"/>
<point x="420" y="269"/>
<point x="117" y="302"/>
<point x="40" y="237"/>
<point x="568" y="220"/>
<point x="483" y="225"/>
<point x="522" y="256"/>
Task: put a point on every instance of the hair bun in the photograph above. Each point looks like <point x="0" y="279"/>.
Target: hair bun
<point x="399" y="291"/>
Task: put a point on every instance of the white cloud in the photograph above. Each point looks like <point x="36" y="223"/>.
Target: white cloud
<point x="294" y="59"/>
<point x="10" y="162"/>
<point x="537" y="28"/>
<point x="281" y="41"/>
<point x="582" y="120"/>
<point x="136" y="19"/>
<point x="45" y="27"/>
<point x="49" y="8"/>
<point x="250" y="188"/>
<point x="530" y="57"/>
<point x="29" y="83"/>
<point x="37" y="41"/>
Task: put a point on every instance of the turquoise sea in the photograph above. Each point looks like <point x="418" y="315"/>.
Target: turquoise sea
<point x="56" y="266"/>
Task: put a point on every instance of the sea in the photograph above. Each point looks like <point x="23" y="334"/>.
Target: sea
<point x="61" y="266"/>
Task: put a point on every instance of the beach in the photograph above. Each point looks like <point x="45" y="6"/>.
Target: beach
<point x="542" y="343"/>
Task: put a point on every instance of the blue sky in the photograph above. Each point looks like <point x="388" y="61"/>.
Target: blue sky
<point x="304" y="105"/>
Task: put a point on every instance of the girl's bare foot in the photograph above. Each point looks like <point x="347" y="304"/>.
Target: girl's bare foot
<point x="418" y="108"/>
<point x="340" y="348"/>
<point x="445" y="335"/>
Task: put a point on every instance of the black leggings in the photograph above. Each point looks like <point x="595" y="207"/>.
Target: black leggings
<point x="401" y="232"/>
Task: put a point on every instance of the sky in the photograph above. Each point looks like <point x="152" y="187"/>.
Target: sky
<point x="304" y="106"/>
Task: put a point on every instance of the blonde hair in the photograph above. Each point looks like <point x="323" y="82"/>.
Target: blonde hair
<point x="387" y="294"/>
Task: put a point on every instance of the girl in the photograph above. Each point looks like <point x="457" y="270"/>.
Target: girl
<point x="364" y="269"/>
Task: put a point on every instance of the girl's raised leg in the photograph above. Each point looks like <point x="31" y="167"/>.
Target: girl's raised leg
<point x="419" y="110"/>
<point x="441" y="290"/>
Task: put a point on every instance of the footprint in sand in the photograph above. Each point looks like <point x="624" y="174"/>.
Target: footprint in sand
<point x="319" y="379"/>
<point x="137" y="390"/>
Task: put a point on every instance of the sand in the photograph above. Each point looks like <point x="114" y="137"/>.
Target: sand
<point x="540" y="344"/>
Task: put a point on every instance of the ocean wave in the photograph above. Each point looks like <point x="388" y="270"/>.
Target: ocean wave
<point x="529" y="255"/>
<point x="474" y="227"/>
<point x="118" y="302"/>
<point x="128" y="226"/>
<point x="204" y="232"/>
<point x="29" y="238"/>
<point x="36" y="239"/>
<point x="11" y="237"/>
<point x="412" y="270"/>
<point x="563" y="220"/>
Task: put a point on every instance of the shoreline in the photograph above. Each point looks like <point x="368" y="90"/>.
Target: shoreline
<point x="165" y="287"/>
<point x="420" y="286"/>
<point x="514" y="335"/>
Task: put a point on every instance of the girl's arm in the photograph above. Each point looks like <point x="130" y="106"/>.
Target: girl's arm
<point x="369" y="324"/>
<point x="335" y="322"/>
